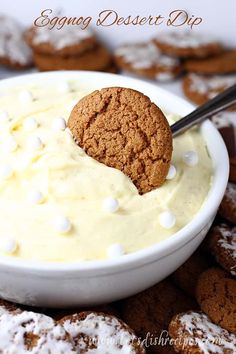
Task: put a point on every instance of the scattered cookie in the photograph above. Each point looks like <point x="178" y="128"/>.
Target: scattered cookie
<point x="228" y="205"/>
<point x="150" y="312"/>
<point x="216" y="295"/>
<point x="221" y="241"/>
<point x="97" y="58"/>
<point x="29" y="332"/>
<point x="224" y="63"/>
<point x="100" y="333"/>
<point x="187" y="44"/>
<point x="65" y="42"/>
<point x="139" y="142"/>
<point x="194" y="333"/>
<point x="14" y="52"/>
<point x="200" y="89"/>
<point x="146" y="60"/>
<point x="223" y="122"/>
<point x="187" y="275"/>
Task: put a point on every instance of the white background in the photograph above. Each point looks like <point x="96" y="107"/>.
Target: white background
<point x="219" y="19"/>
<point x="219" y="16"/>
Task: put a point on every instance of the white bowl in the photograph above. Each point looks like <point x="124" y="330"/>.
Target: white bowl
<point x="96" y="282"/>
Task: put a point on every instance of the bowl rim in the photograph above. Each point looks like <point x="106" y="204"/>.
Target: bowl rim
<point x="160" y="249"/>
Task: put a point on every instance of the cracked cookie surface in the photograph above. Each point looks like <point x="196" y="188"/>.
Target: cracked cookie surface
<point x="228" y="205"/>
<point x="194" y="333"/>
<point x="222" y="244"/>
<point x="216" y="295"/>
<point x="150" y="312"/>
<point x="122" y="128"/>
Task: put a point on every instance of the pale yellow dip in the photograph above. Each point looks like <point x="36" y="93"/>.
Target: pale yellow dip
<point x="74" y="186"/>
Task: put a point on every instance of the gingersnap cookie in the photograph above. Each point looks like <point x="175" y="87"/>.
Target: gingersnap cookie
<point x="97" y="59"/>
<point x="186" y="276"/>
<point x="68" y="41"/>
<point x="122" y="128"/>
<point x="150" y="312"/>
<point x="146" y="60"/>
<point x="200" y="89"/>
<point x="227" y="207"/>
<point x="216" y="295"/>
<point x="29" y="332"/>
<point x="223" y="123"/>
<point x="187" y="44"/>
<point x="14" y="51"/>
<point x="99" y="333"/>
<point x="194" y="333"/>
<point x="224" y="63"/>
<point x="222" y="244"/>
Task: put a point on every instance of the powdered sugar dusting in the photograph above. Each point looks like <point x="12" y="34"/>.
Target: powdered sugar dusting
<point x="204" y="334"/>
<point x="12" y="43"/>
<point x="184" y="39"/>
<point x="17" y="326"/>
<point x="211" y="86"/>
<point x="221" y="120"/>
<point x="145" y="55"/>
<point x="62" y="38"/>
<point x="231" y="192"/>
<point x="106" y="333"/>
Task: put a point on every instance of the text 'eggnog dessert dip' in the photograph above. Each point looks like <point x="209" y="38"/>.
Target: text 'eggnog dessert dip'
<point x="59" y="204"/>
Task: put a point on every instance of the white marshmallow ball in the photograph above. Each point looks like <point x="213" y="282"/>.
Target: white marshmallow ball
<point x="4" y="117"/>
<point x="115" y="250"/>
<point x="5" y="172"/>
<point x="167" y="219"/>
<point x="8" y="245"/>
<point x="63" y="87"/>
<point x="25" y="97"/>
<point x="59" y="124"/>
<point x="171" y="173"/>
<point x="110" y="205"/>
<point x="9" y="143"/>
<point x="62" y="224"/>
<point x="35" y="197"/>
<point x="34" y="143"/>
<point x="30" y="124"/>
<point x="190" y="158"/>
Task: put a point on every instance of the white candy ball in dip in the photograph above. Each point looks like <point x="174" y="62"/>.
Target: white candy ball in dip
<point x="167" y="219"/>
<point x="62" y="224"/>
<point x="190" y="158"/>
<point x="9" y="143"/>
<point x="34" y="143"/>
<point x="115" y="250"/>
<point x="35" y="197"/>
<point x="171" y="173"/>
<point x="8" y="245"/>
<point x="59" y="123"/>
<point x="4" y="117"/>
<point x="63" y="87"/>
<point x="5" y="172"/>
<point x="110" y="205"/>
<point x="25" y="96"/>
<point x="30" y="124"/>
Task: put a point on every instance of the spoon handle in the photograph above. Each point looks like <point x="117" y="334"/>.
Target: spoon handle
<point x="217" y="104"/>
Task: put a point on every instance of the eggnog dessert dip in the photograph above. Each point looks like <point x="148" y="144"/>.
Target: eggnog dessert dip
<point x="59" y="204"/>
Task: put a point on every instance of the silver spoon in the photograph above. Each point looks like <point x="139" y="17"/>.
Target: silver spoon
<point x="216" y="105"/>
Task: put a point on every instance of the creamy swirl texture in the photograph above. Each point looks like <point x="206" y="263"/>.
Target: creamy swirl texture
<point x="58" y="204"/>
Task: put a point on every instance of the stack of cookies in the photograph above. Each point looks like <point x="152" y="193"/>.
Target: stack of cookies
<point x="207" y="69"/>
<point x="14" y="51"/>
<point x="68" y="49"/>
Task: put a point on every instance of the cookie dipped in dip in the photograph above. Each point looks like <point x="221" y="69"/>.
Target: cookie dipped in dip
<point x="59" y="204"/>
